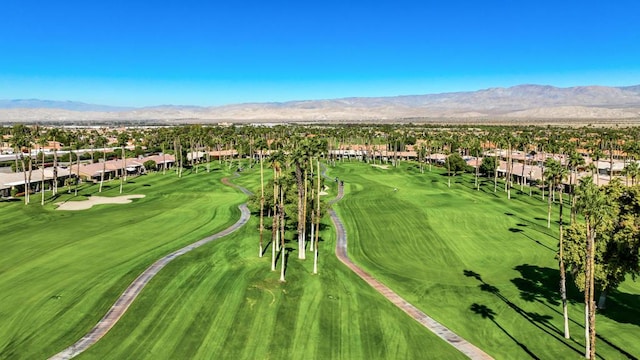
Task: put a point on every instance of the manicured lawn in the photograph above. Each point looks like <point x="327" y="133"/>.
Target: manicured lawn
<point x="221" y="301"/>
<point x="60" y="271"/>
<point x="477" y="262"/>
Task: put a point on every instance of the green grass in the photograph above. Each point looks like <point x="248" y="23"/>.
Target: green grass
<point x="445" y="250"/>
<point x="60" y="271"/>
<point x="222" y="301"/>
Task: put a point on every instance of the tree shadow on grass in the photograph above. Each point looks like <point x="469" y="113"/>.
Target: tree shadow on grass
<point x="487" y="313"/>
<point x="540" y="321"/>
<point x="520" y="231"/>
<point x="541" y="284"/>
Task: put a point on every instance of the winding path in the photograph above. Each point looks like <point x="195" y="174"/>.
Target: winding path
<point x="129" y="295"/>
<point x="444" y="333"/>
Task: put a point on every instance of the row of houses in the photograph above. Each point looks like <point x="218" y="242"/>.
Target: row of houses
<point x="43" y="179"/>
<point x="38" y="180"/>
<point x="115" y="168"/>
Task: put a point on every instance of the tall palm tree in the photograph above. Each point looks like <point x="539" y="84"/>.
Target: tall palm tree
<point x="317" y="219"/>
<point x="122" y="142"/>
<point x="261" y="146"/>
<point x="276" y="159"/>
<point x="575" y="161"/>
<point x="299" y="157"/>
<point x="594" y="206"/>
<point x="556" y="173"/>
<point x="42" y="141"/>
<point x="101" y="142"/>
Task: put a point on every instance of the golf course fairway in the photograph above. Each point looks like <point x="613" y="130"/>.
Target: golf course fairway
<point x="480" y="264"/>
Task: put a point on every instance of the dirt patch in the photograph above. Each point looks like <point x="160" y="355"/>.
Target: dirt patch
<point x="96" y="200"/>
<point x="385" y="167"/>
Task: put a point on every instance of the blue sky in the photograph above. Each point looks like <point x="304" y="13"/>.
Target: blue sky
<point x="136" y="53"/>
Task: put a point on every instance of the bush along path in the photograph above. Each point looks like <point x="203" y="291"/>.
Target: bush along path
<point x="129" y="295"/>
<point x="444" y="333"/>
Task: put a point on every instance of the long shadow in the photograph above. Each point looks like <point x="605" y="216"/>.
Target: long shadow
<point x="534" y="226"/>
<point x="520" y="231"/>
<point x="487" y="313"/>
<point x="541" y="284"/>
<point x="538" y="320"/>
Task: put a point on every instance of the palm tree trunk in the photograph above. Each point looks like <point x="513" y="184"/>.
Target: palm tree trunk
<point x="104" y="168"/>
<point x="42" y="181"/>
<point x="495" y="174"/>
<point x="77" y="173"/>
<point x="28" y="193"/>
<point x="592" y="303"/>
<point x="26" y="184"/>
<point x="549" y="206"/>
<point x="164" y="161"/>
<point x="509" y="171"/>
<point x="275" y="244"/>
<point x="283" y="249"/>
<point x="477" y="173"/>
<point x="304" y="214"/>
<point x="261" y="203"/>
<point x="315" y="252"/>
<point x="122" y="176"/>
<point x="587" y="283"/>
<point x="563" y="281"/>
<point x="55" y="169"/>
<point x="298" y="171"/>
<point x="275" y="234"/>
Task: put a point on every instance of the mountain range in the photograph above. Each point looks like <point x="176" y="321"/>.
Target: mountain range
<point x="517" y="103"/>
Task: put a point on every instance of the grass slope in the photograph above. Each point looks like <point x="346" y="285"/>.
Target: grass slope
<point x="222" y="301"/>
<point x="477" y="262"/>
<point x="60" y="271"/>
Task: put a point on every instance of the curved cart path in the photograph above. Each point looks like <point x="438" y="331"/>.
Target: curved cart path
<point x="129" y="295"/>
<point x="447" y="335"/>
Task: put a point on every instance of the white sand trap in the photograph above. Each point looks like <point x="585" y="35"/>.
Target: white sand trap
<point x="96" y="200"/>
<point x="385" y="167"/>
<point x="324" y="191"/>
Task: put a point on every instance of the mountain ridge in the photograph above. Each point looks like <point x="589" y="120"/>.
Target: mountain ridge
<point x="518" y="102"/>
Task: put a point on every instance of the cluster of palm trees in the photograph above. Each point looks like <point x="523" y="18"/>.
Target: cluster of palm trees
<point x="296" y="187"/>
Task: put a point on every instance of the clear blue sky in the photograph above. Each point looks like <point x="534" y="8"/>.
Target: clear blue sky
<point x="128" y="52"/>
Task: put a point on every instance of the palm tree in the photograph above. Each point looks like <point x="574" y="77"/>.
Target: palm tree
<point x="276" y="159"/>
<point x="53" y="135"/>
<point x="261" y="145"/>
<point x="556" y="173"/>
<point x="594" y="206"/>
<point x="575" y="161"/>
<point x="299" y="157"/>
<point x="317" y="219"/>
<point x="122" y="142"/>
<point x="42" y="141"/>
<point x="101" y="142"/>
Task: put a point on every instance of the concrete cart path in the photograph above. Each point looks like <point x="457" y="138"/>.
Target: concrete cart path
<point x="447" y="335"/>
<point x="129" y="295"/>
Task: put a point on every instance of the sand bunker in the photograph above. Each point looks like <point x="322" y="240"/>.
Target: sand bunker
<point x="324" y="191"/>
<point x="381" y="166"/>
<point x="96" y="200"/>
